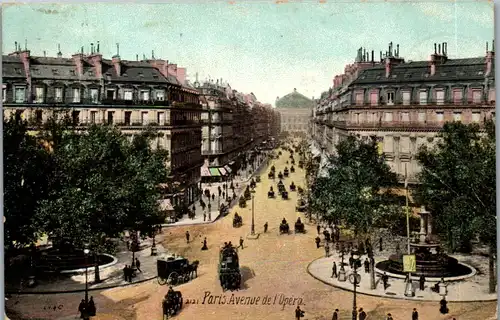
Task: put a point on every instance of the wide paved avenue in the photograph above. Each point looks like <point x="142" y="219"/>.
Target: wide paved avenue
<point x="271" y="265"/>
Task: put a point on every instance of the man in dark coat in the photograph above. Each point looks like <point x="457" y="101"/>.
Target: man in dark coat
<point x="125" y="272"/>
<point x="367" y="265"/>
<point x="334" y="270"/>
<point x="82" y="308"/>
<point x="187" y="236"/>
<point x="265" y="227"/>
<point x="138" y="265"/>
<point x="422" y="282"/>
<point x="335" y="315"/>
<point x="380" y="244"/>
<point x="205" y="247"/>
<point x="362" y="314"/>
<point x="318" y="240"/>
<point x="414" y="314"/>
<point x="385" y="280"/>
<point x="318" y="228"/>
<point x="91" y="307"/>
<point x="298" y="313"/>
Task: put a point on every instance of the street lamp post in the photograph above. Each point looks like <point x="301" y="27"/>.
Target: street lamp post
<point x="355" y="280"/>
<point x="252" y="231"/>
<point x="86" y="251"/>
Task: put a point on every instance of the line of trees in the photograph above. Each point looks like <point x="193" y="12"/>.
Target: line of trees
<point x="80" y="187"/>
<point x="456" y="181"/>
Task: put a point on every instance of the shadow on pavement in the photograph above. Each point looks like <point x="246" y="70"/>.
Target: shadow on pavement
<point x="246" y="274"/>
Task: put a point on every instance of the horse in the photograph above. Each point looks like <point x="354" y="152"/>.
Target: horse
<point x="192" y="269"/>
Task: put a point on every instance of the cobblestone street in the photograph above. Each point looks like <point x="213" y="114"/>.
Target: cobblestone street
<point x="271" y="265"/>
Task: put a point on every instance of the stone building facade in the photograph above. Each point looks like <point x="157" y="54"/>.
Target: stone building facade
<point x="233" y="124"/>
<point x="295" y="110"/>
<point x="404" y="104"/>
<point x="131" y="95"/>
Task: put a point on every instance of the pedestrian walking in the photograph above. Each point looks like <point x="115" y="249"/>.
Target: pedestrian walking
<point x="318" y="228"/>
<point x="327" y="249"/>
<point x="82" y="308"/>
<point x="204" y="216"/>
<point x="299" y="313"/>
<point x="380" y="244"/>
<point x="125" y="272"/>
<point x="241" y="242"/>
<point x="422" y="282"/>
<point x="367" y="265"/>
<point x="91" y="307"/>
<point x="138" y="265"/>
<point x="362" y="314"/>
<point x="128" y="244"/>
<point x="389" y="317"/>
<point x="265" y="227"/>
<point x="318" y="240"/>
<point x="213" y="196"/>
<point x="385" y="280"/>
<point x="414" y="314"/>
<point x="335" y="315"/>
<point x="334" y="270"/>
<point x="187" y="236"/>
<point x="205" y="247"/>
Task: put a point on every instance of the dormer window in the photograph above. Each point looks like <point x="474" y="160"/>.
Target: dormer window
<point x="55" y="71"/>
<point x="58" y="94"/>
<point x="390" y="98"/>
<point x="125" y="75"/>
<point x="36" y="71"/>
<point x="39" y="94"/>
<point x="72" y="72"/>
<point x="128" y="94"/>
<point x="17" y="70"/>
<point x="141" y="75"/>
<point x="480" y="73"/>
<point x="145" y="95"/>
<point x="91" y="73"/>
<point x="155" y="77"/>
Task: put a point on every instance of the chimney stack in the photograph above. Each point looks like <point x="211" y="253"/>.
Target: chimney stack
<point x="397" y="51"/>
<point x="78" y="59"/>
<point x="387" y="67"/>
<point x="373" y="52"/>
<point x="116" y="60"/>
<point x="435" y="48"/>
<point x="490" y="56"/>
<point x="92" y="48"/>
<point x="136" y="57"/>
<point x="15" y="43"/>
<point x="98" y="49"/>
<point x="439" y="49"/>
<point x="44" y="54"/>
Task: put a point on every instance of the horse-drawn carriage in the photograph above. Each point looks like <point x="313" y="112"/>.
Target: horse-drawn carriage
<point x="293" y="187"/>
<point x="292" y="169"/>
<point x="286" y="172"/>
<point x="237" y="220"/>
<point x="172" y="303"/>
<point x="229" y="268"/>
<point x="284" y="227"/>
<point x="284" y="195"/>
<point x="301" y="205"/>
<point x="280" y="175"/>
<point x="175" y="270"/>
<point x="270" y="193"/>
<point x="299" y="226"/>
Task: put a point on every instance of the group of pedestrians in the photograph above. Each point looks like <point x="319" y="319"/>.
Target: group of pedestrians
<point x="87" y="309"/>
<point x="361" y="315"/>
<point x="129" y="271"/>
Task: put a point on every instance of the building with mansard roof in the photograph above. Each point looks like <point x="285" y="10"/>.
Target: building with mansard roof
<point x="404" y="104"/>
<point x="131" y="95"/>
<point x="295" y="110"/>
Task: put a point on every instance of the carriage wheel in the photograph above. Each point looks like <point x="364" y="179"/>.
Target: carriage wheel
<point x="161" y="280"/>
<point x="173" y="278"/>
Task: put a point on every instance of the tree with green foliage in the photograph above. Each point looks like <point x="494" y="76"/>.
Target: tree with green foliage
<point x="105" y="185"/>
<point x="356" y="190"/>
<point x="27" y="167"/>
<point x="458" y="184"/>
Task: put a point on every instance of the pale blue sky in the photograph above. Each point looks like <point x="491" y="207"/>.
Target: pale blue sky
<point x="260" y="46"/>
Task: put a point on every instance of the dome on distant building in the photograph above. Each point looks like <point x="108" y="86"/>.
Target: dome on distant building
<point x="294" y="100"/>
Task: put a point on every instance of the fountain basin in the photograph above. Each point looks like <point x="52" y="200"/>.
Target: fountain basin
<point x="52" y="260"/>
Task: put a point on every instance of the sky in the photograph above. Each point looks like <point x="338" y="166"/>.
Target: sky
<point x="264" y="47"/>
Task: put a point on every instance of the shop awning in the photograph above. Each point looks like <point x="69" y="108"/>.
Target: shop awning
<point x="214" y="172"/>
<point x="165" y="205"/>
<point x="205" y="172"/>
<point x="223" y="171"/>
<point x="228" y="169"/>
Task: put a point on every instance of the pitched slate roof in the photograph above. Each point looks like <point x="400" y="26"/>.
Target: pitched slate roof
<point x="136" y="71"/>
<point x="419" y="71"/>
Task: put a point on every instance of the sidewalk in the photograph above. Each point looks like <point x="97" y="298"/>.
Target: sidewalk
<point x="111" y="276"/>
<point x="240" y="182"/>
<point x="471" y="289"/>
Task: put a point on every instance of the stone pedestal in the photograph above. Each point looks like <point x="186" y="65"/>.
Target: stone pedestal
<point x="253" y="236"/>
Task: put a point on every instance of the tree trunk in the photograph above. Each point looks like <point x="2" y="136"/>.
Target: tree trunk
<point x="492" y="270"/>
<point x="97" y="276"/>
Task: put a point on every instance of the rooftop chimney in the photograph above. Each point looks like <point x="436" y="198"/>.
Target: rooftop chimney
<point x="373" y="52"/>
<point x="59" y="53"/>
<point x="490" y="57"/>
<point x="78" y="59"/>
<point x="95" y="60"/>
<point x="98" y="49"/>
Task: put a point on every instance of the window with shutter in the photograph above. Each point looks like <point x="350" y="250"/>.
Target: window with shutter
<point x="94" y="95"/>
<point x="359" y="98"/>
<point x="440" y="97"/>
<point x="405" y="116"/>
<point x="423" y="97"/>
<point x="76" y="95"/>
<point x="476" y="116"/>
<point x="388" y="117"/>
<point x="390" y="98"/>
<point x="59" y="93"/>
<point x="39" y="94"/>
<point x="421" y="117"/>
<point x="374" y="98"/>
<point x="406" y="97"/>
<point x="127" y="95"/>
<point x="457" y="96"/>
<point x="476" y="96"/>
<point x="439" y="116"/>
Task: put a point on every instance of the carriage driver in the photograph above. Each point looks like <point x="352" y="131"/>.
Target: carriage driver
<point x="170" y="291"/>
<point x="283" y="221"/>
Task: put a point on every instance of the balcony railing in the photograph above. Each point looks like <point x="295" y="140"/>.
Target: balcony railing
<point x="393" y="124"/>
<point x="125" y="122"/>
<point x="90" y="101"/>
